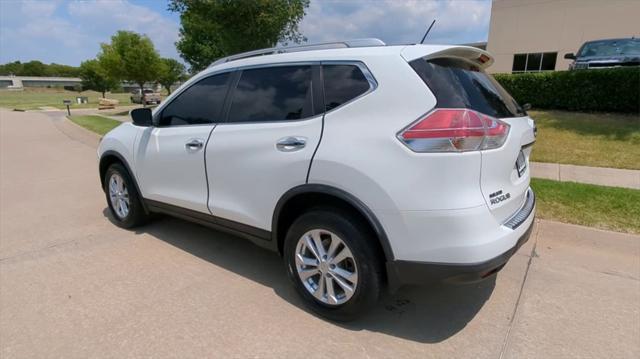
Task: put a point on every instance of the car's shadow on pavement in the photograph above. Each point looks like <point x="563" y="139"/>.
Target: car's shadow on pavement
<point x="423" y="314"/>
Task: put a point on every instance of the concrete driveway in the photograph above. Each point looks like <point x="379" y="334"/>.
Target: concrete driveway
<point x="74" y="285"/>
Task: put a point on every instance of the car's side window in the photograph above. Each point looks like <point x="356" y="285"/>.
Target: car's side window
<point x="278" y="93"/>
<point x="199" y="104"/>
<point x="342" y="83"/>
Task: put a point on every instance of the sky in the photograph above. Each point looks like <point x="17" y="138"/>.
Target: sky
<point x="70" y="31"/>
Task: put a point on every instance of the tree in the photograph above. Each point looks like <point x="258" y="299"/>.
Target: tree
<point x="217" y="28"/>
<point x="11" y="68"/>
<point x="63" y="70"/>
<point x="130" y="57"/>
<point x="172" y="72"/>
<point x="34" y="68"/>
<point x="94" y="77"/>
<point x="37" y="68"/>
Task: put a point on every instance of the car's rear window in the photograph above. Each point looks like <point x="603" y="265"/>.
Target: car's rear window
<point x="459" y="84"/>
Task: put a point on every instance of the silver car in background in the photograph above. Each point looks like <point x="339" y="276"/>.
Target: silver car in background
<point x="148" y="96"/>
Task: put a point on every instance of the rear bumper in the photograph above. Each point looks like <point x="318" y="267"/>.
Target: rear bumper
<point x="408" y="272"/>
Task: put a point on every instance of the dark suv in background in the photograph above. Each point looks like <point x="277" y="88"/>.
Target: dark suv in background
<point x="605" y="54"/>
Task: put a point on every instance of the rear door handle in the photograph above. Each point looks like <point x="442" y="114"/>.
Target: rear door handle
<point x="291" y="143"/>
<point x="194" y="144"/>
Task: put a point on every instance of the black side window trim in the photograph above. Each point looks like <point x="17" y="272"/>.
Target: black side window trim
<point x="317" y="89"/>
<point x="317" y="84"/>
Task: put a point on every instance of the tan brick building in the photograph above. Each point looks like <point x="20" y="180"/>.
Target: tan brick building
<point x="534" y="35"/>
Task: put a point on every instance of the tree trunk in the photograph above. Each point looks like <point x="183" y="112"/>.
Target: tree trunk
<point x="142" y="97"/>
<point x="103" y="94"/>
<point x="168" y="90"/>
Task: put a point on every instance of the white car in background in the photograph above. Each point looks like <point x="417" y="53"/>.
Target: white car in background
<point x="364" y="165"/>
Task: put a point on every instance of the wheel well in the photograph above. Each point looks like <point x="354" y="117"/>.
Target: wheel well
<point x="303" y="202"/>
<point x="105" y="162"/>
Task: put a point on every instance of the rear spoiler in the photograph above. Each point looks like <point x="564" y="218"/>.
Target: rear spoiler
<point x="479" y="57"/>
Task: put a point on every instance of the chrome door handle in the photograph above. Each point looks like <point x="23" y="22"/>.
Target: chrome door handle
<point x="290" y="144"/>
<point x="194" y="144"/>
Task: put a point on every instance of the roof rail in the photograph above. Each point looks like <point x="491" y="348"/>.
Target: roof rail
<point x="319" y="46"/>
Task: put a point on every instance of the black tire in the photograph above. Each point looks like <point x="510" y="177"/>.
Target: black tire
<point x="368" y="261"/>
<point x="136" y="215"/>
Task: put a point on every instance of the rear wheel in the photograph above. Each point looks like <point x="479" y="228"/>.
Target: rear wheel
<point x="123" y="198"/>
<point x="333" y="264"/>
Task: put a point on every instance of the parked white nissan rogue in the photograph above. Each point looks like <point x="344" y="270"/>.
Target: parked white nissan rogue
<point x="365" y="166"/>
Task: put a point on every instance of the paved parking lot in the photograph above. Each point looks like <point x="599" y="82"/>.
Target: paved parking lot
<point x="74" y="285"/>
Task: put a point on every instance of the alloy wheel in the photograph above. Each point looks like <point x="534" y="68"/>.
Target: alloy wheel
<point x="326" y="267"/>
<point x="119" y="196"/>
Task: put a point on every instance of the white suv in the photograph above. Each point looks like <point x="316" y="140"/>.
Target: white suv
<point x="363" y="165"/>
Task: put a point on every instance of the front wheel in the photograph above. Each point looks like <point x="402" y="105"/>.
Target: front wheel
<point x="333" y="263"/>
<point x="123" y="198"/>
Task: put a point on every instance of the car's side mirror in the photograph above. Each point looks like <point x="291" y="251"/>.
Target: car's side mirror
<point x="526" y="106"/>
<point x="142" y="117"/>
<point x="570" y="56"/>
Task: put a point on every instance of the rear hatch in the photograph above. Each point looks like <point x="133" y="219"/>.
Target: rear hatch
<point x="457" y="78"/>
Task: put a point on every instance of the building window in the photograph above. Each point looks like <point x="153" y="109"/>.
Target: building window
<point x="534" y="62"/>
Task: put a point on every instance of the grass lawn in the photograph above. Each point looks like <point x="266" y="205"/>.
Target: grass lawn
<point x="32" y="98"/>
<point x="97" y="124"/>
<point x="611" y="208"/>
<point x="587" y="139"/>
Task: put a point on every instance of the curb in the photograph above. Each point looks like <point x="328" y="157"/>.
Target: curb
<point x="77" y="132"/>
<point x="613" y="177"/>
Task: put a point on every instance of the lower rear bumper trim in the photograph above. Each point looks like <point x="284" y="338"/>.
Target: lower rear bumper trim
<point x="401" y="272"/>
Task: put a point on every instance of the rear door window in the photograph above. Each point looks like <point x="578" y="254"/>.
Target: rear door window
<point x="342" y="83"/>
<point x="459" y="84"/>
<point x="280" y="93"/>
<point x="199" y="104"/>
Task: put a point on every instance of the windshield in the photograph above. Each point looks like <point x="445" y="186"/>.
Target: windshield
<point x="611" y="48"/>
<point x="148" y="91"/>
<point x="459" y="84"/>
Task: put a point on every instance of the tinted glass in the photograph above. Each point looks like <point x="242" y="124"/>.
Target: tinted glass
<point x="611" y="48"/>
<point x="272" y="94"/>
<point x="534" y="61"/>
<point x="519" y="62"/>
<point x="199" y="104"/>
<point x="459" y="84"/>
<point x="342" y="83"/>
<point x="549" y="61"/>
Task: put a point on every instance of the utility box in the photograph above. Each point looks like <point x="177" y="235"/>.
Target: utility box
<point x="82" y="99"/>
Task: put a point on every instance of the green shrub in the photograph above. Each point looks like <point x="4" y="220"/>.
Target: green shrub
<point x="610" y="90"/>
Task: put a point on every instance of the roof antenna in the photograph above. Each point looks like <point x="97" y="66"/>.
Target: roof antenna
<point x="429" y="29"/>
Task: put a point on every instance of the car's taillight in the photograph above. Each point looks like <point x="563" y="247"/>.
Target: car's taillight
<point x="454" y="130"/>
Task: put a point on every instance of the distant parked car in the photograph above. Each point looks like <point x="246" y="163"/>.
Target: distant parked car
<point x="150" y="97"/>
<point x="605" y="54"/>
